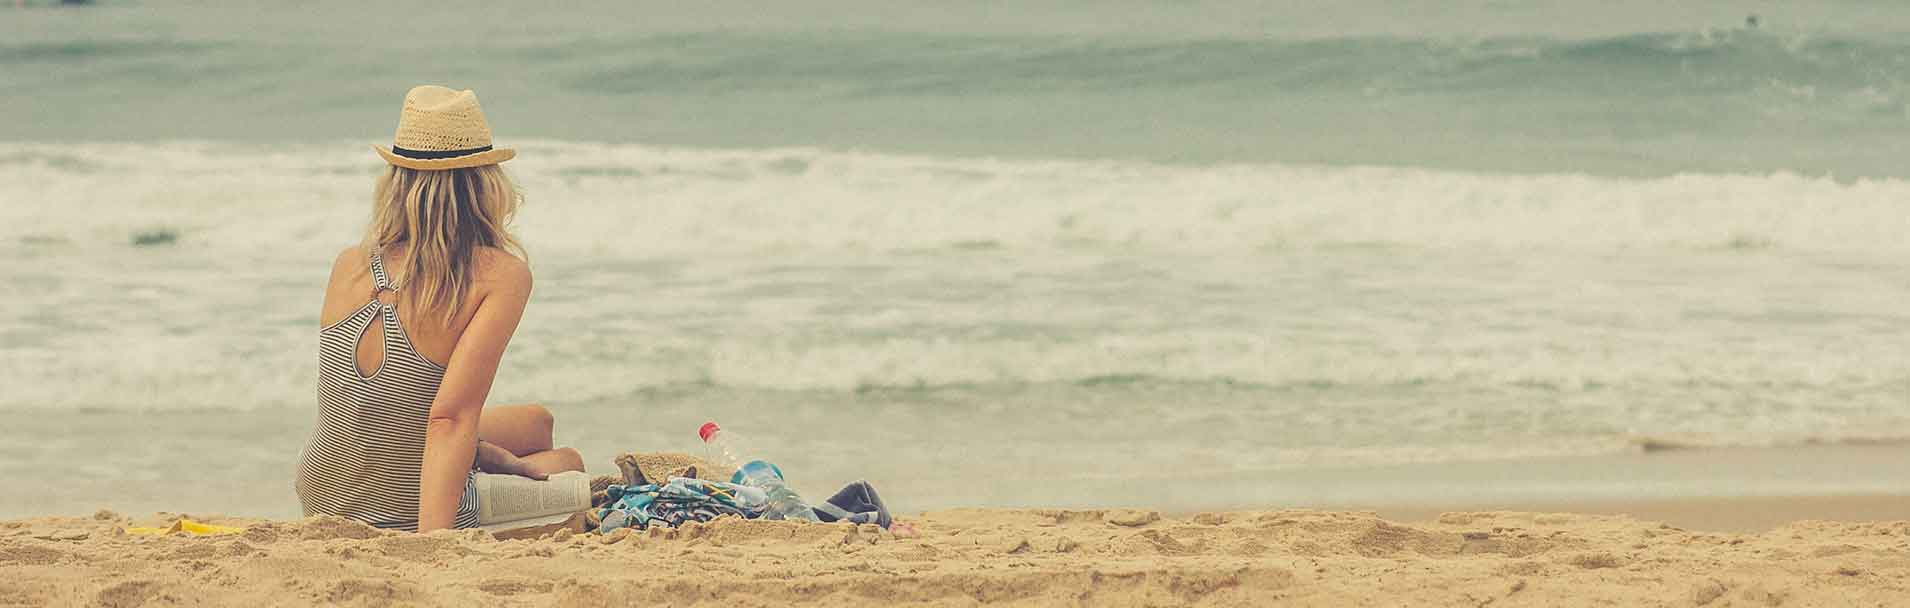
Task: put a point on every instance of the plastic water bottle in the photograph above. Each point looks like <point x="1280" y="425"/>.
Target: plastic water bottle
<point x="727" y="449"/>
<point x="784" y="503"/>
<point x="722" y="447"/>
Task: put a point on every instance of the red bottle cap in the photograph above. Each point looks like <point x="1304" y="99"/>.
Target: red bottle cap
<point x="709" y="428"/>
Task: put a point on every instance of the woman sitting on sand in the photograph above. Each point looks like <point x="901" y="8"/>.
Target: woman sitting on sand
<point x="400" y="435"/>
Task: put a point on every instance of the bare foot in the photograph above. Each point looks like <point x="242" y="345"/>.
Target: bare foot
<point x="524" y="469"/>
<point x="494" y="459"/>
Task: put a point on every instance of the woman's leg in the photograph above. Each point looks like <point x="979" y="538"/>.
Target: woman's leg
<point x="522" y="429"/>
<point x="516" y="440"/>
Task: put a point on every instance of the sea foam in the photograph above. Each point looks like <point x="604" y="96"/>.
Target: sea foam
<point x="635" y="200"/>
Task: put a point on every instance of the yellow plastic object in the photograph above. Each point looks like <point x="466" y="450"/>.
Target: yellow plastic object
<point x="188" y="526"/>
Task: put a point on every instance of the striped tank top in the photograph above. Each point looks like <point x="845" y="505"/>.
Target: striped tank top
<point x="365" y="457"/>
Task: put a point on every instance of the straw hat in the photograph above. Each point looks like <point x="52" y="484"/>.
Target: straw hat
<point x="442" y="129"/>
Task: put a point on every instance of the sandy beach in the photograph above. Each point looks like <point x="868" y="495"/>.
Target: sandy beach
<point x="1614" y="536"/>
<point x="977" y="556"/>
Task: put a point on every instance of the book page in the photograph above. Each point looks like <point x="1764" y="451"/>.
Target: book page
<point x="508" y="498"/>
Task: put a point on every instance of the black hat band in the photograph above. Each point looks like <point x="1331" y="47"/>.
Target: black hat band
<point x="436" y="154"/>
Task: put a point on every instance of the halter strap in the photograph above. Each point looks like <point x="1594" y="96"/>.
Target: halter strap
<point x="378" y="276"/>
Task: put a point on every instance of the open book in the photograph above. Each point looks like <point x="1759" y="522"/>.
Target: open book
<point x="508" y="502"/>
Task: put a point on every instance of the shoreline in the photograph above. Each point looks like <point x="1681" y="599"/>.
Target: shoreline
<point x="1755" y="486"/>
<point x="1722" y="488"/>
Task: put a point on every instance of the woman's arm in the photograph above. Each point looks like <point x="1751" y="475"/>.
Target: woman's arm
<point x="450" y="439"/>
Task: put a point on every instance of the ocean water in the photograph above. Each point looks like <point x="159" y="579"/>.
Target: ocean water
<point x="982" y="246"/>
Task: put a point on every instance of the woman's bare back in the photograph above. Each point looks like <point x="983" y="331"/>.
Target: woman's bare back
<point x="351" y="286"/>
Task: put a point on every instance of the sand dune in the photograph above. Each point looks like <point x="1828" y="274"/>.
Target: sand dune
<point x="969" y="557"/>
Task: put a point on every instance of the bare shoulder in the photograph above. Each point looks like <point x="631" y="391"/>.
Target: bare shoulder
<point x="499" y="271"/>
<point x="348" y="263"/>
<point x="339" y="297"/>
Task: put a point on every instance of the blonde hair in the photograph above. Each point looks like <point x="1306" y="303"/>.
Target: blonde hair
<point x="442" y="217"/>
